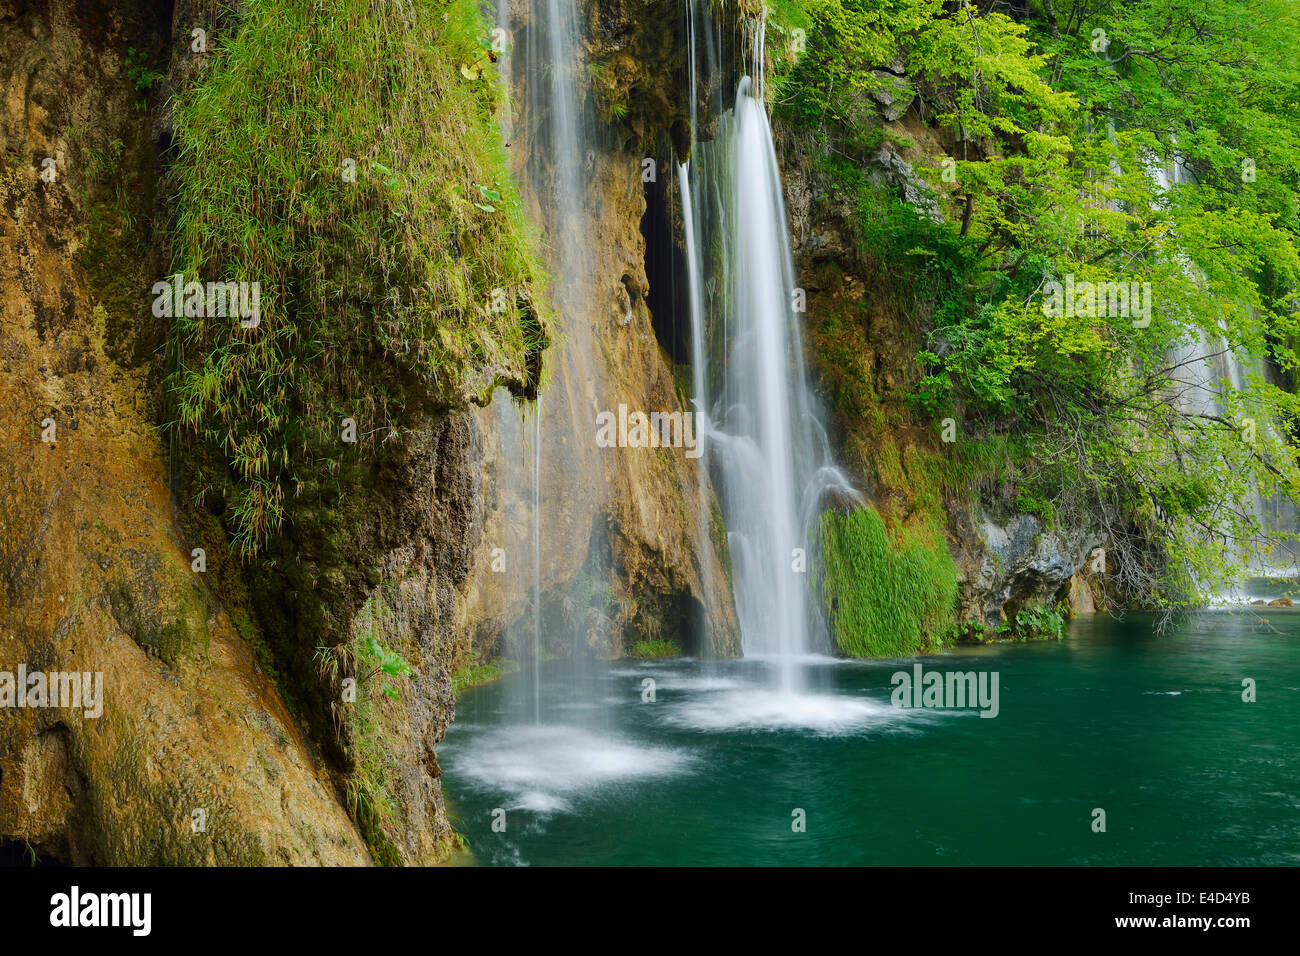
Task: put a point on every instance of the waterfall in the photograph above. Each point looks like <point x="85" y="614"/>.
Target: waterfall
<point x="1206" y="371"/>
<point x="545" y="450"/>
<point x="699" y="368"/>
<point x="767" y="446"/>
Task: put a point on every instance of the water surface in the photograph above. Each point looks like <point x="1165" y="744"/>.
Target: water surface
<point x="1150" y="728"/>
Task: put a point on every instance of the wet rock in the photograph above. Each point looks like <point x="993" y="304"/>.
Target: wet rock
<point x="193" y="758"/>
<point x="889" y="168"/>
<point x="624" y="555"/>
<point x="1008" y="564"/>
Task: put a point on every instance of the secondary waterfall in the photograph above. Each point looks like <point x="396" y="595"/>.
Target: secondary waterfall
<point x="768" y="450"/>
<point x="548" y="134"/>
<point x="1207" y="369"/>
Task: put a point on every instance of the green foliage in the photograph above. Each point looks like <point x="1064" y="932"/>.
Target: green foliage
<point x="1033" y="623"/>
<point x="137" y="68"/>
<point x="1051" y="145"/>
<point x="474" y="675"/>
<point x="889" y="594"/>
<point x="1039" y="623"/>
<point x="652" y="649"/>
<point x="608" y="89"/>
<point x="368" y="723"/>
<point x="386" y="662"/>
<point x="377" y="288"/>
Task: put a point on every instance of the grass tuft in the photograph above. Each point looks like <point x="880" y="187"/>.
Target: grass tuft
<point x="889" y="594"/>
<point x="652" y="650"/>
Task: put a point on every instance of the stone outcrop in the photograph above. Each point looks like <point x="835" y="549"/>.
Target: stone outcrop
<point x="194" y="758"/>
<point x="1014" y="563"/>
<point x="630" y="519"/>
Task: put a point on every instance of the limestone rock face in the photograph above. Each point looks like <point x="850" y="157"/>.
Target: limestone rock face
<point x="1016" y="563"/>
<point x="194" y="758"/>
<point x="416" y="609"/>
<point x="95" y="557"/>
<point x="631" y="545"/>
<point x="613" y="540"/>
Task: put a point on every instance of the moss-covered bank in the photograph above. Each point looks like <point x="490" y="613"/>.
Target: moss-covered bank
<point x="346" y="157"/>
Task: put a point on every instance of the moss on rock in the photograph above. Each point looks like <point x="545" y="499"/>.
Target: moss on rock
<point x="889" y="592"/>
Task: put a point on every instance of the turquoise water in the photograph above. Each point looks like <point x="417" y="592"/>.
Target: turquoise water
<point x="1151" y="729"/>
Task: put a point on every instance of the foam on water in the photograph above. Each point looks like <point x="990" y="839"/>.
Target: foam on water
<point x="678" y="680"/>
<point x="545" y="768"/>
<point x="806" y="660"/>
<point x="763" y="709"/>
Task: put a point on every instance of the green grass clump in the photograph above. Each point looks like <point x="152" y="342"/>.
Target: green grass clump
<point x="475" y="675"/>
<point x="381" y="671"/>
<point x="346" y="156"/>
<point x="888" y="593"/>
<point x="656" y="649"/>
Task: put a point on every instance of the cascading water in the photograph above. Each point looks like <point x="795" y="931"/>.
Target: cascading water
<point x="768" y="447"/>
<point x="558" y="733"/>
<point x="761" y="401"/>
<point x="548" y="132"/>
<point x="1206" y="371"/>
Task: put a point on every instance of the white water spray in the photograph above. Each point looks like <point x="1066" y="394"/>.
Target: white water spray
<point x="770" y="450"/>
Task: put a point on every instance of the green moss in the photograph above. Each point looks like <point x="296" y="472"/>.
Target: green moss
<point x="165" y="614"/>
<point x="113" y="181"/>
<point x="383" y="658"/>
<point x="369" y="797"/>
<point x="889" y="593"/>
<point x="344" y="156"/>
<point x="651" y="650"/>
<point x="718" y="535"/>
<point x="475" y="675"/>
<point x="684" y="383"/>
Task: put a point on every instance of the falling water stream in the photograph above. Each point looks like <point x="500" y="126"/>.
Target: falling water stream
<point x="767" y="444"/>
<point x="547" y="132"/>
<point x="764" y="444"/>
<point x="561" y="763"/>
<point x="1207" y="371"/>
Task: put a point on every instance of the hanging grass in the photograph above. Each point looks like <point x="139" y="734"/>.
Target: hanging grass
<point x="346" y="157"/>
<point x="889" y="594"/>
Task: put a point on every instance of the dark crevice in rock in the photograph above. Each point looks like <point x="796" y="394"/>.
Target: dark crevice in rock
<point x="665" y="264"/>
<point x="17" y="853"/>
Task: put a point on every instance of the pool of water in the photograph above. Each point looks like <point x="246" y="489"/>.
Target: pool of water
<point x="720" y="769"/>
